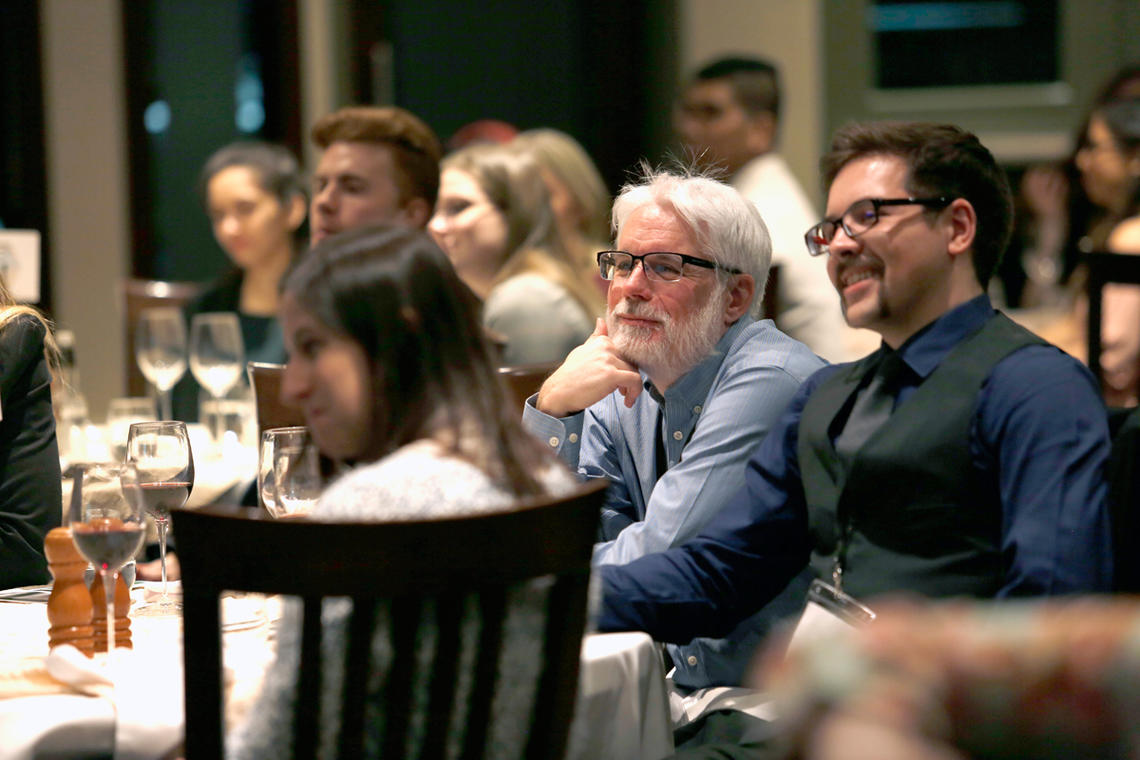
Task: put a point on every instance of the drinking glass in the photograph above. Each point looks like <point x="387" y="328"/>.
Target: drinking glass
<point x="163" y="467"/>
<point x="217" y="356"/>
<point x="160" y="350"/>
<point x="107" y="526"/>
<point x="289" y="473"/>
<point x="121" y="414"/>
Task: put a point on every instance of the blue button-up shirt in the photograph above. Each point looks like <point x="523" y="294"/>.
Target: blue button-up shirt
<point x="1039" y="424"/>
<point x="713" y="417"/>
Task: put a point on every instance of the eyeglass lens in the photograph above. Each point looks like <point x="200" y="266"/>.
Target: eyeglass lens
<point x="657" y="266"/>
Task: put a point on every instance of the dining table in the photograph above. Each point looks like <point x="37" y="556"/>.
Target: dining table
<point x="57" y="703"/>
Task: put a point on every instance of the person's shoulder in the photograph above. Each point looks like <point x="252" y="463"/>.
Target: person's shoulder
<point x="223" y="294"/>
<point x="22" y="336"/>
<point x="1045" y="372"/>
<point x="763" y="345"/>
<point x="417" y="481"/>
<point x="1125" y="237"/>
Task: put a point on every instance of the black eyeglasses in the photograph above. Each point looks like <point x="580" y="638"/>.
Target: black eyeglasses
<point x="663" y="266"/>
<point x="859" y="217"/>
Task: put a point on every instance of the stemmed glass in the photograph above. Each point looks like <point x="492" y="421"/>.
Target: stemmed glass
<point x="163" y="474"/>
<point x="289" y="472"/>
<point x="107" y="526"/>
<point x="160" y="350"/>
<point x="121" y="414"/>
<point x="217" y="356"/>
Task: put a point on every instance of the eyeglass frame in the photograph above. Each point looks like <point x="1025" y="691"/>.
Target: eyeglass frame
<point x="815" y="249"/>
<point x="685" y="259"/>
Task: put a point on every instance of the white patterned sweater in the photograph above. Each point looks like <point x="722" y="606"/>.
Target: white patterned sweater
<point x="418" y="481"/>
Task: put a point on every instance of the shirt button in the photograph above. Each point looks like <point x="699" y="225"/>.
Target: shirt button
<point x="677" y="435"/>
<point x="692" y="659"/>
<point x="553" y="441"/>
<point x="697" y="409"/>
<point x="573" y="438"/>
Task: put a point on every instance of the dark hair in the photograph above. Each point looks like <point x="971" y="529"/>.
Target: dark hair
<point x="394" y="292"/>
<point x="415" y="148"/>
<point x="941" y="159"/>
<point x="1122" y="117"/>
<point x="276" y="168"/>
<point x="755" y="82"/>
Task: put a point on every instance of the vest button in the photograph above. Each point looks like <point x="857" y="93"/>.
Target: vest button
<point x="553" y="441"/>
<point x="692" y="659"/>
<point x="677" y="435"/>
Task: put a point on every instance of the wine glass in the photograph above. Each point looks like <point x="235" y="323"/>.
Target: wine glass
<point x="107" y="526"/>
<point x="160" y="350"/>
<point x="163" y="467"/>
<point x="121" y="414"/>
<point x="217" y="356"/>
<point x="289" y="472"/>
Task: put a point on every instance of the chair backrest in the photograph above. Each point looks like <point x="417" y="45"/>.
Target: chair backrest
<point x="770" y="303"/>
<point x="445" y="565"/>
<point x="524" y="380"/>
<point x="1124" y="497"/>
<point x="265" y="380"/>
<point x="1105" y="267"/>
<point x="146" y="294"/>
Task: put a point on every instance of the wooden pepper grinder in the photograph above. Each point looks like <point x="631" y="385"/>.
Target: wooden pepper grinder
<point x="69" y="606"/>
<point x="99" y="613"/>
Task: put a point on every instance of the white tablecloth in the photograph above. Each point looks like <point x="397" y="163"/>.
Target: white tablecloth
<point x="622" y="712"/>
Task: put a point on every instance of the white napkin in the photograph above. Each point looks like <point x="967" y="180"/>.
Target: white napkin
<point x="147" y="696"/>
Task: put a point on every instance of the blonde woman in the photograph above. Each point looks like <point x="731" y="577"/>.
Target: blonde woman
<point x="578" y="195"/>
<point x="30" y="501"/>
<point x="494" y="220"/>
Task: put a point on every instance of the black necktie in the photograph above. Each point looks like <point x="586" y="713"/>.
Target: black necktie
<point x="873" y="405"/>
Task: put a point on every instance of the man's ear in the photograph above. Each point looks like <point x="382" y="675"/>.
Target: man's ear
<point x="961" y="226"/>
<point x="416" y="212"/>
<point x="740" y="291"/>
<point x="761" y="132"/>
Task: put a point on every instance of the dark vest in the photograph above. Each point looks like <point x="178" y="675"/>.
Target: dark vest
<point x="921" y="517"/>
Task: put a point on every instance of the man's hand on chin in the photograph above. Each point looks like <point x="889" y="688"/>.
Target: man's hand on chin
<point x="591" y="372"/>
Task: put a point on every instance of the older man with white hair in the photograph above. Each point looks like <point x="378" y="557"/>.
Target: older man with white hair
<point x="678" y="384"/>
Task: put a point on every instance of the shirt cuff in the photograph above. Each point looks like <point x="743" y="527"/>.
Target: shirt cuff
<point x="562" y="435"/>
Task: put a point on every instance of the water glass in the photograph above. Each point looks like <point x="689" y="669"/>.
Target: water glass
<point x="121" y="414"/>
<point x="160" y="350"/>
<point x="289" y="473"/>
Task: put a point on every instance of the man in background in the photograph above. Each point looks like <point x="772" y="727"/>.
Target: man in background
<point x="379" y="165"/>
<point x="728" y="117"/>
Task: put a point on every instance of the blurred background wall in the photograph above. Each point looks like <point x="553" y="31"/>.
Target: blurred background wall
<point x="111" y="106"/>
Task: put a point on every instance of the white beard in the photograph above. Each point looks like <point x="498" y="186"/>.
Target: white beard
<point x="674" y="348"/>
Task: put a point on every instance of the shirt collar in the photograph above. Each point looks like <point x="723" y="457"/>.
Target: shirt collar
<point x="694" y="385"/>
<point x="926" y="349"/>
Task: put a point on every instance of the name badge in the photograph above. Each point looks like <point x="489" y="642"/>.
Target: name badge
<point x="828" y="610"/>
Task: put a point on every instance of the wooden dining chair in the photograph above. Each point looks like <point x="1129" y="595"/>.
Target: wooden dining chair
<point x="1104" y="268"/>
<point x="463" y="568"/>
<point x="524" y="380"/>
<point x="265" y="380"/>
<point x="148" y="294"/>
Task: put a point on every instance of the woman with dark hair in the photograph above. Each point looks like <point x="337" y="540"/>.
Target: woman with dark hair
<point x="254" y="195"/>
<point x="388" y="362"/>
<point x="1109" y="162"/>
<point x="29" y="458"/>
